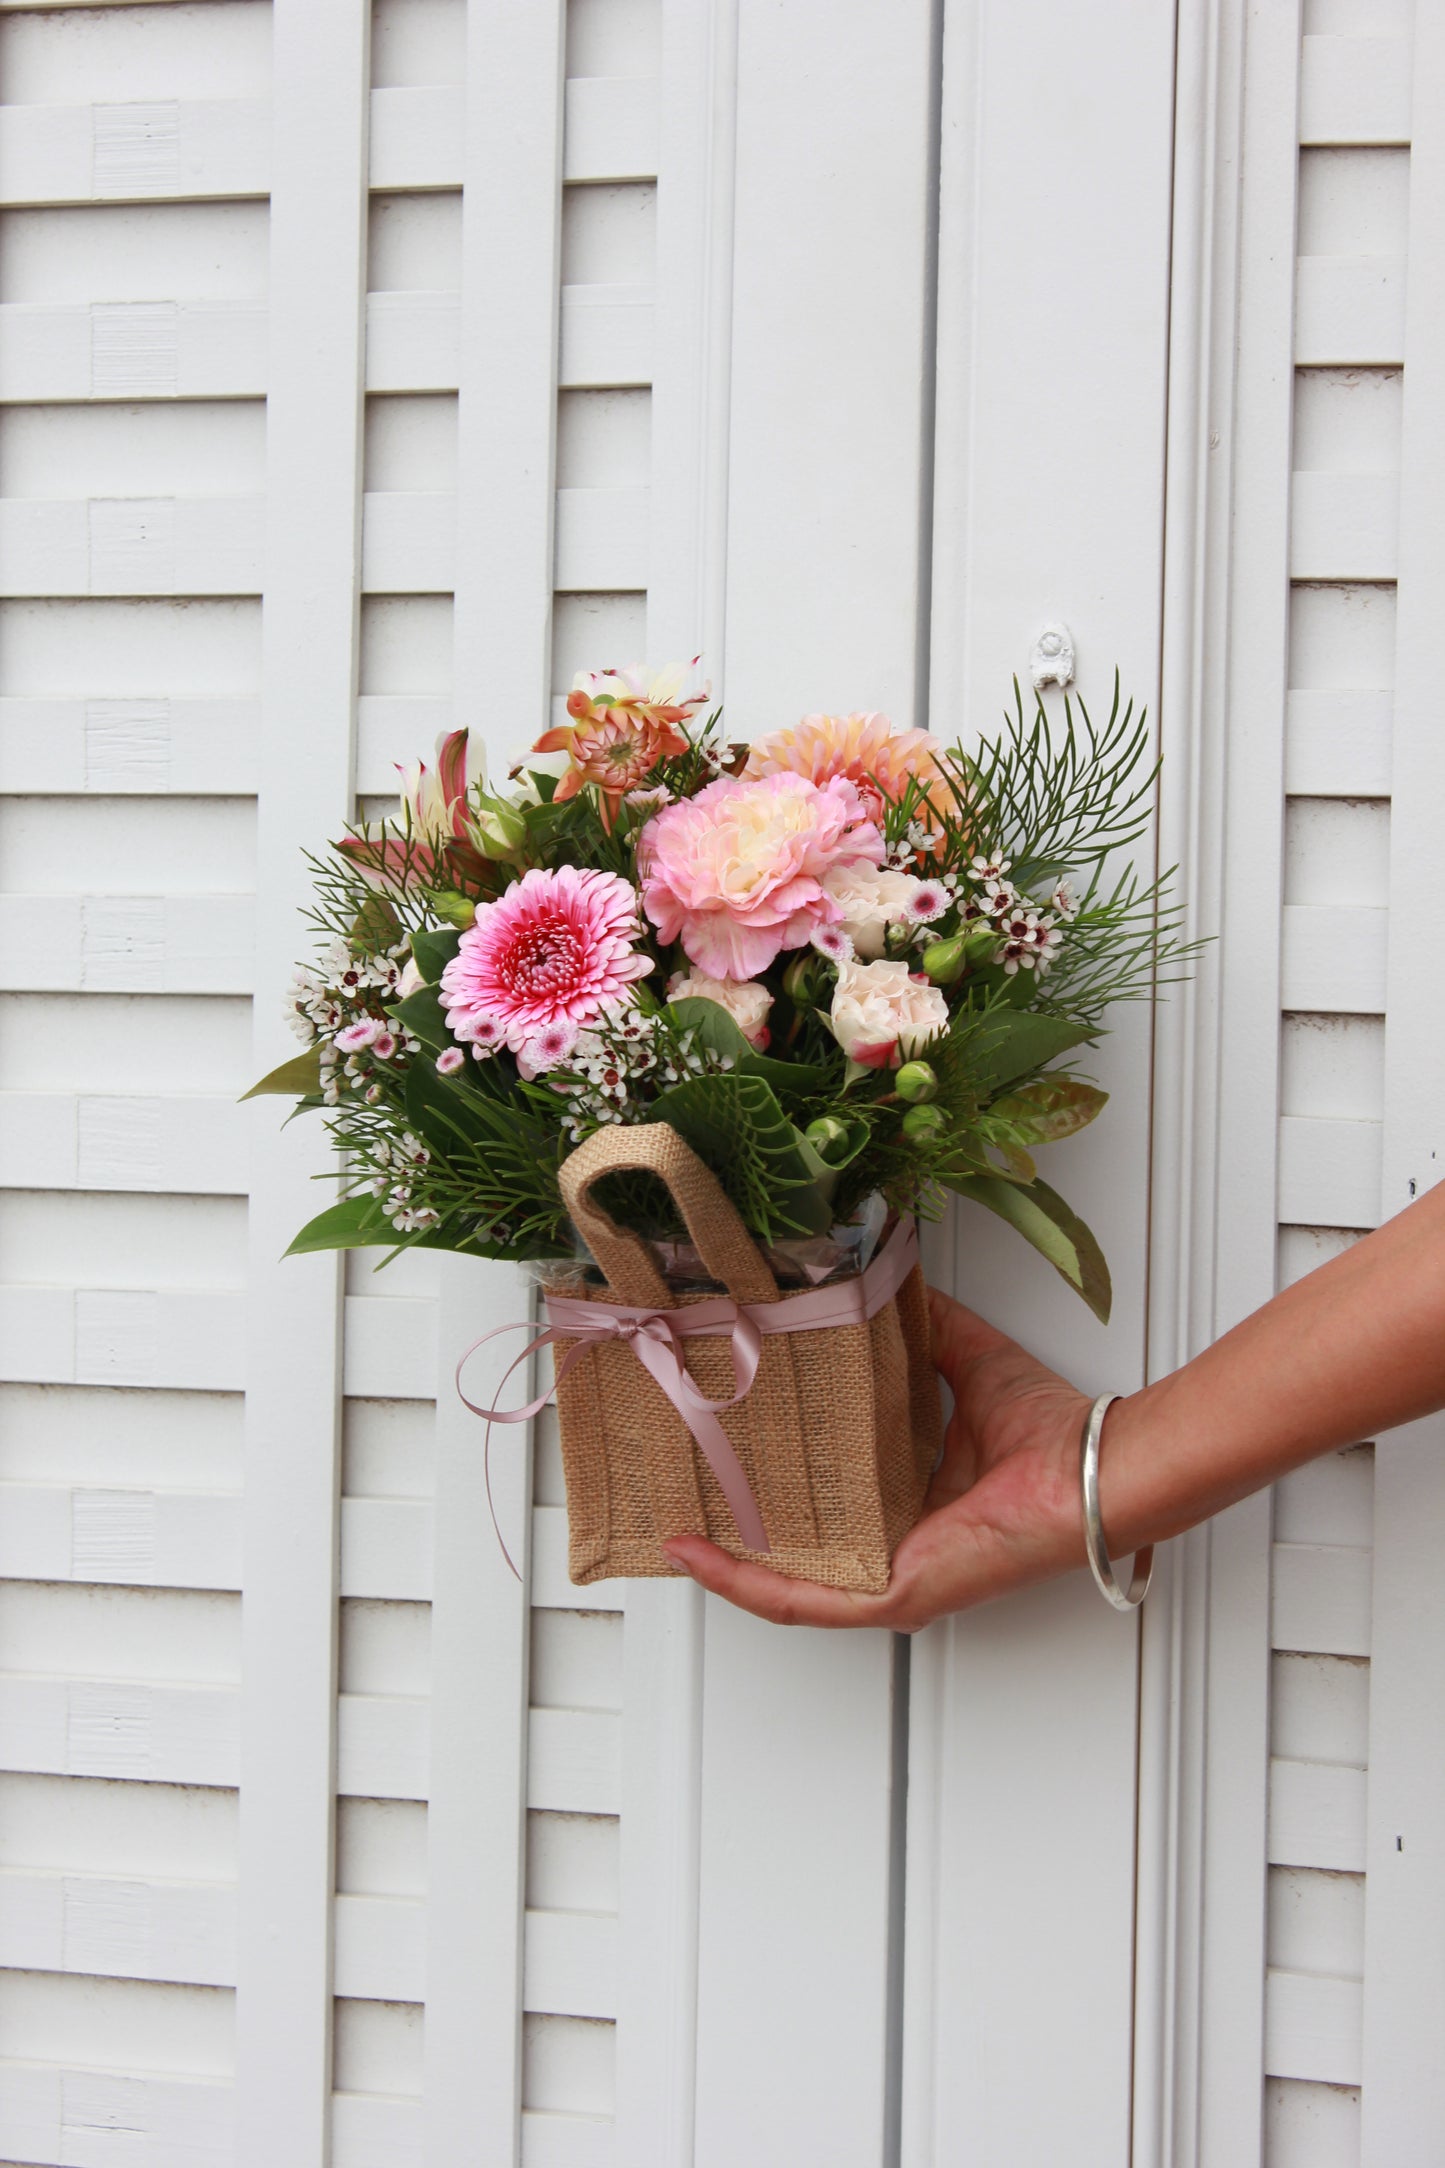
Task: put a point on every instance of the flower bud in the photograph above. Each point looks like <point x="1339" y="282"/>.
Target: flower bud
<point x="827" y="1135"/>
<point x="945" y="961"/>
<point x="981" y="946"/>
<point x="453" y="908"/>
<point x="501" y="829"/>
<point x="916" y="1080"/>
<point x="799" y="980"/>
<point x="923" y="1123"/>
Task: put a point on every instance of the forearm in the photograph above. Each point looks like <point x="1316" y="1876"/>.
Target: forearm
<point x="1353" y="1349"/>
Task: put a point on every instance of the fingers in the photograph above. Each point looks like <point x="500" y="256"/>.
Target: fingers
<point x="769" y="1595"/>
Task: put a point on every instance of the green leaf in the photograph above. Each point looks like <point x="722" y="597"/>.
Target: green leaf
<point x="737" y="1128"/>
<point x="354" y="1224"/>
<point x="434" y="951"/>
<point x="442" y="1114"/>
<point x="1011" y="1042"/>
<point x="375" y="926"/>
<point x="421" y="1013"/>
<point x="719" y="1034"/>
<point x="715" y="1029"/>
<point x="297" y="1078"/>
<point x="1053" y="1107"/>
<point x="1041" y="1216"/>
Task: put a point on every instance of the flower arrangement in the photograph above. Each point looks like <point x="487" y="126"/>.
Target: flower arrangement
<point x="843" y="960"/>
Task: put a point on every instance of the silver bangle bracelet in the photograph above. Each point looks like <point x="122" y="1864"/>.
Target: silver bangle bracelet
<point x="1099" y="1566"/>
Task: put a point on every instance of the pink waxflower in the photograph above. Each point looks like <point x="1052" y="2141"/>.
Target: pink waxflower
<point x="547" y="1051"/>
<point x="736" y="873"/>
<point x="359" y="1035"/>
<point x="877" y="759"/>
<point x="551" y="950"/>
<point x="449" y="1060"/>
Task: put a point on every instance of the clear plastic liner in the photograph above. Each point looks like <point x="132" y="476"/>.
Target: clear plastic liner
<point x="843" y="1253"/>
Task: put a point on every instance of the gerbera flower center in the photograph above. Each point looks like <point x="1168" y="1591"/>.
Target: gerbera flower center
<point x="542" y="957"/>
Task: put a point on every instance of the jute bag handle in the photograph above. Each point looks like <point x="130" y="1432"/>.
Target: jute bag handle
<point x="723" y="1242"/>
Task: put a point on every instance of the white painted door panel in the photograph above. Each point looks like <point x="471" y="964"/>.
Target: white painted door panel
<point x="1053" y="324"/>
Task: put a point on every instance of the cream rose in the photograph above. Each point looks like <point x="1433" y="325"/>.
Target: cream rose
<point x="746" y="1002"/>
<point x="882" y="1014"/>
<point x="871" y="898"/>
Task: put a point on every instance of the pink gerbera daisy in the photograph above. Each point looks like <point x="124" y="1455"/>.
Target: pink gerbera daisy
<point x="550" y="951"/>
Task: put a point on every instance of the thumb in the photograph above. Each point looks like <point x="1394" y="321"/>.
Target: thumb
<point x="960" y="1337"/>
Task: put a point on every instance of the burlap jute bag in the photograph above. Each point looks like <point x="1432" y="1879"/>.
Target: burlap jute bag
<point x="837" y="1436"/>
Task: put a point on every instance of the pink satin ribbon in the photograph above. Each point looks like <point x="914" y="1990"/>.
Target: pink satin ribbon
<point x="656" y="1337"/>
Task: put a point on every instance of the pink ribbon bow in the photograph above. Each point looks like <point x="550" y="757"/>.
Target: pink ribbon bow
<point x="656" y="1337"/>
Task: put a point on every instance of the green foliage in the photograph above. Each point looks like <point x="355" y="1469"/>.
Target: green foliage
<point x="717" y="1032"/>
<point x="422" y="1014"/>
<point x="1010" y="1043"/>
<point x="1046" y="1111"/>
<point x="354" y="1224"/>
<point x="432" y="952"/>
<point x="1041" y="1216"/>
<point x="1052" y="802"/>
<point x="298" y="1078"/>
<point x="778" y="1182"/>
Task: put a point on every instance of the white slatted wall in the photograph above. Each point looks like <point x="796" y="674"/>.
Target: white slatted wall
<point x="136" y="346"/>
<point x="1290" y="1913"/>
<point x="508" y="1863"/>
<point x="1352" y="244"/>
<point x="130" y="570"/>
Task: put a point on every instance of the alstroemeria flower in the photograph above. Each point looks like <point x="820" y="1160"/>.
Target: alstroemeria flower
<point x="434" y="818"/>
<point x="621" y="724"/>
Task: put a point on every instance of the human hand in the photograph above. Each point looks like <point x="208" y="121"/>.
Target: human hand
<point x="1002" y="1509"/>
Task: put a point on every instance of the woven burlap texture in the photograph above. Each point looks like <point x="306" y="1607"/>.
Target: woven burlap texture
<point x="837" y="1437"/>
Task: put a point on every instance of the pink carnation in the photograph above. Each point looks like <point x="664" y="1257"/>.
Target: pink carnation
<point x="551" y="950"/>
<point x="736" y="873"/>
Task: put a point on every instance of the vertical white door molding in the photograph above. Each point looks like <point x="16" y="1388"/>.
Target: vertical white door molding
<point x="1403" y="2090"/>
<point x="829" y="374"/>
<point x="661" y="1807"/>
<point x="314" y="424"/>
<point x="1049" y="485"/>
<point x="1204" y="1702"/>
<point x="511" y="216"/>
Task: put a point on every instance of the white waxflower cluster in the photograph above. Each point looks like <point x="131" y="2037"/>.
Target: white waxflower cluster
<point x="606" y="1065"/>
<point x="917" y="841"/>
<point x="321" y="1001"/>
<point x="603" y="1063"/>
<point x="397" y="1167"/>
<point x="1030" y="938"/>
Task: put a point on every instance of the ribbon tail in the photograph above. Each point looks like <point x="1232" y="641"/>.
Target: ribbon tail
<point x="662" y="1360"/>
<point x="494" y="1414"/>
